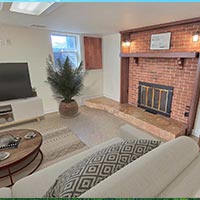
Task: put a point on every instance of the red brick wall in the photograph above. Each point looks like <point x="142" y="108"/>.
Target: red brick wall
<point x="165" y="71"/>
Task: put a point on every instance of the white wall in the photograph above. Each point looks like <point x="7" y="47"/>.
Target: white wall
<point x="111" y="66"/>
<point x="196" y="130"/>
<point x="93" y="82"/>
<point x="33" y="46"/>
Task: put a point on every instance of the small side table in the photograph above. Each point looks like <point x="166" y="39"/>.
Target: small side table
<point x="22" y="156"/>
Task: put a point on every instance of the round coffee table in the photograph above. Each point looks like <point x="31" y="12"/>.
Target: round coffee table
<point x="22" y="156"/>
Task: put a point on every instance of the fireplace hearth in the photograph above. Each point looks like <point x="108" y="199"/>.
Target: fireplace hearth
<point x="155" y="98"/>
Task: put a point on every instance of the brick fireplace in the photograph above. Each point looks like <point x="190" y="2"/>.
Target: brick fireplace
<point x="160" y="70"/>
<point x="165" y="72"/>
<point x="155" y="98"/>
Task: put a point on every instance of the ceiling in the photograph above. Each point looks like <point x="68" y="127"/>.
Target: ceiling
<point x="102" y="18"/>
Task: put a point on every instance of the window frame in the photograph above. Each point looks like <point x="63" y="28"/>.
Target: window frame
<point x="77" y="50"/>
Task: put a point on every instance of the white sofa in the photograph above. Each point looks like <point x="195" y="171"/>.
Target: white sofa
<point x="171" y="170"/>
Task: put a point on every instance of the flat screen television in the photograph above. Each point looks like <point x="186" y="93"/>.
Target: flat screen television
<point x="14" y="81"/>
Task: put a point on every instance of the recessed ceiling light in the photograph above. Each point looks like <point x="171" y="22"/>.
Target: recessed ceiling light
<point x="31" y="8"/>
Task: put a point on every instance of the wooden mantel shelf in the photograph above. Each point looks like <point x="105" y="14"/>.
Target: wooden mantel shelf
<point x="178" y="55"/>
<point x="161" y="54"/>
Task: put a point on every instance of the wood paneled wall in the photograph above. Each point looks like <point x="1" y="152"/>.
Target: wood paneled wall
<point x="93" y="53"/>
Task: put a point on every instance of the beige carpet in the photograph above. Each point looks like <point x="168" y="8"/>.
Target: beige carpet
<point x="91" y="126"/>
<point x="58" y="144"/>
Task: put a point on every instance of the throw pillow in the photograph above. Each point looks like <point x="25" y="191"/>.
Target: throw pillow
<point x="95" y="168"/>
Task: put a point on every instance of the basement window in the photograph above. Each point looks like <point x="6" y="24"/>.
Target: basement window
<point x="65" y="46"/>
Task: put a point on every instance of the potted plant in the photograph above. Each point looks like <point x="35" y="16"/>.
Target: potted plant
<point x="66" y="82"/>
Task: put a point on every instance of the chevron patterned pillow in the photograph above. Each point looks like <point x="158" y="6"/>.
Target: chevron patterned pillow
<point x="95" y="168"/>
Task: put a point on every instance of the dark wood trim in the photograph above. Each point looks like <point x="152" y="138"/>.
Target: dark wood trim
<point x="161" y="55"/>
<point x="93" y="52"/>
<point x="194" y="101"/>
<point x="124" y="75"/>
<point x="164" y="25"/>
<point x="124" y="79"/>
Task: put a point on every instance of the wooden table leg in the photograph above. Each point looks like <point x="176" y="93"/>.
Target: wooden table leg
<point x="10" y="175"/>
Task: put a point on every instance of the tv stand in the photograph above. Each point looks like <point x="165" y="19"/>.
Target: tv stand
<point x="20" y="110"/>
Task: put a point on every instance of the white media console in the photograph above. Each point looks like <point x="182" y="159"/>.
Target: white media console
<point x="20" y="110"/>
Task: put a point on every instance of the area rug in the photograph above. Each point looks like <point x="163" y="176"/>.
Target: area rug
<point x="58" y="144"/>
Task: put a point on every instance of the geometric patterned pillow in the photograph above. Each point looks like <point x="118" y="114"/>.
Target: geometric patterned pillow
<point x="95" y="168"/>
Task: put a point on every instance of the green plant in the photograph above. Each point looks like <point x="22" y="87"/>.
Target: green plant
<point x="66" y="81"/>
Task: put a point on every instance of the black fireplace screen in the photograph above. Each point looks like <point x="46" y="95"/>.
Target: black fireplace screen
<point x="155" y="98"/>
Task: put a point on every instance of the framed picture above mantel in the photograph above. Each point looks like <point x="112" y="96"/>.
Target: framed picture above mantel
<point x="160" y="41"/>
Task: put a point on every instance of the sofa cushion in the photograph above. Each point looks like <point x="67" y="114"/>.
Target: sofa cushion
<point x="147" y="176"/>
<point x="5" y="192"/>
<point x="32" y="186"/>
<point x="95" y="168"/>
<point x="186" y="184"/>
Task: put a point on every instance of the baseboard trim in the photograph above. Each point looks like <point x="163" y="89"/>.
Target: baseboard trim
<point x="80" y="100"/>
<point x="195" y="133"/>
<point x="51" y="111"/>
<point x="111" y="97"/>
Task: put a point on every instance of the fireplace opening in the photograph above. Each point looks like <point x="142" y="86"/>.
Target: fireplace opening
<point x="155" y="98"/>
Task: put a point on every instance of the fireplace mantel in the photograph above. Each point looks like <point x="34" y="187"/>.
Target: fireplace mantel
<point x="192" y="54"/>
<point x="180" y="56"/>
